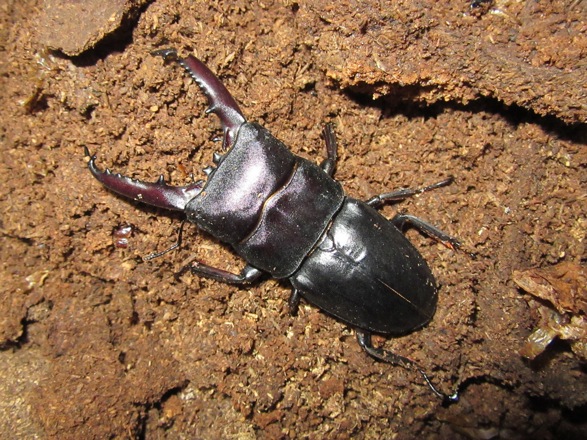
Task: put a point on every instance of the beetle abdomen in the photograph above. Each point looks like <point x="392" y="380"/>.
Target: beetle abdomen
<point x="382" y="283"/>
<point x="269" y="204"/>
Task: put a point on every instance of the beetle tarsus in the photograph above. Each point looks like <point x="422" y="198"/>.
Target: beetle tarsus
<point x="401" y="220"/>
<point x="364" y="340"/>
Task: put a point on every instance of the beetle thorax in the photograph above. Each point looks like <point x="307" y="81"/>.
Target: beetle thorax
<point x="250" y="200"/>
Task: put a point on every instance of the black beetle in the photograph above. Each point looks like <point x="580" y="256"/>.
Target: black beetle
<point x="288" y="217"/>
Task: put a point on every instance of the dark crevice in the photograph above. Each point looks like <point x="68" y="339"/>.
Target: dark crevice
<point x="116" y="41"/>
<point x="406" y="102"/>
<point x="26" y="240"/>
<point x="26" y="321"/>
<point x="485" y="379"/>
<point x="142" y="433"/>
<point x="30" y="318"/>
<point x="572" y="422"/>
<point x="18" y="343"/>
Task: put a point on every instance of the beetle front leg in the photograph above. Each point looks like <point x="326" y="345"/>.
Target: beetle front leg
<point x="404" y="193"/>
<point x="174" y="246"/>
<point x="329" y="163"/>
<point x="364" y="340"/>
<point x="248" y="275"/>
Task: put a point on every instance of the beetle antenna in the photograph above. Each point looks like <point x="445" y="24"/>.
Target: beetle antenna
<point x="169" y="249"/>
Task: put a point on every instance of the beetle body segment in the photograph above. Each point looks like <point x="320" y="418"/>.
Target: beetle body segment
<point x="382" y="283"/>
<point x="249" y="199"/>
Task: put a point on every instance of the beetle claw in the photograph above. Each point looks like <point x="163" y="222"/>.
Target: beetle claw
<point x="220" y="100"/>
<point x="153" y="193"/>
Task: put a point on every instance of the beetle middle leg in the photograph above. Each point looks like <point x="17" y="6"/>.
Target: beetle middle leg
<point x="401" y="220"/>
<point x="294" y="301"/>
<point x="364" y="340"/>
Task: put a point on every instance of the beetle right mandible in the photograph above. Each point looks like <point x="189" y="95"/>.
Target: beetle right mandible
<point x="288" y="217"/>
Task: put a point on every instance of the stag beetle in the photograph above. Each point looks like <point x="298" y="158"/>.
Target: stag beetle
<point x="288" y="217"/>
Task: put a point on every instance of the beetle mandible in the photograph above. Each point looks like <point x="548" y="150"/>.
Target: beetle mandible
<point x="288" y="217"/>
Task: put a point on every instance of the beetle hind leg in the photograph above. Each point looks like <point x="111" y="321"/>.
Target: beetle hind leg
<point x="364" y="340"/>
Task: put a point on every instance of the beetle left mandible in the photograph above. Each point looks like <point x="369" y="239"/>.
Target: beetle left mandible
<point x="288" y="217"/>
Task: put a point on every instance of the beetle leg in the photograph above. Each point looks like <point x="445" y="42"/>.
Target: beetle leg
<point x="174" y="246"/>
<point x="247" y="275"/>
<point x="329" y="163"/>
<point x="221" y="101"/>
<point x="404" y="193"/>
<point x="364" y="340"/>
<point x="400" y="220"/>
<point x="294" y="301"/>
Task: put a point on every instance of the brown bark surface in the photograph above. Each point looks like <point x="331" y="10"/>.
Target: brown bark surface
<point x="98" y="344"/>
